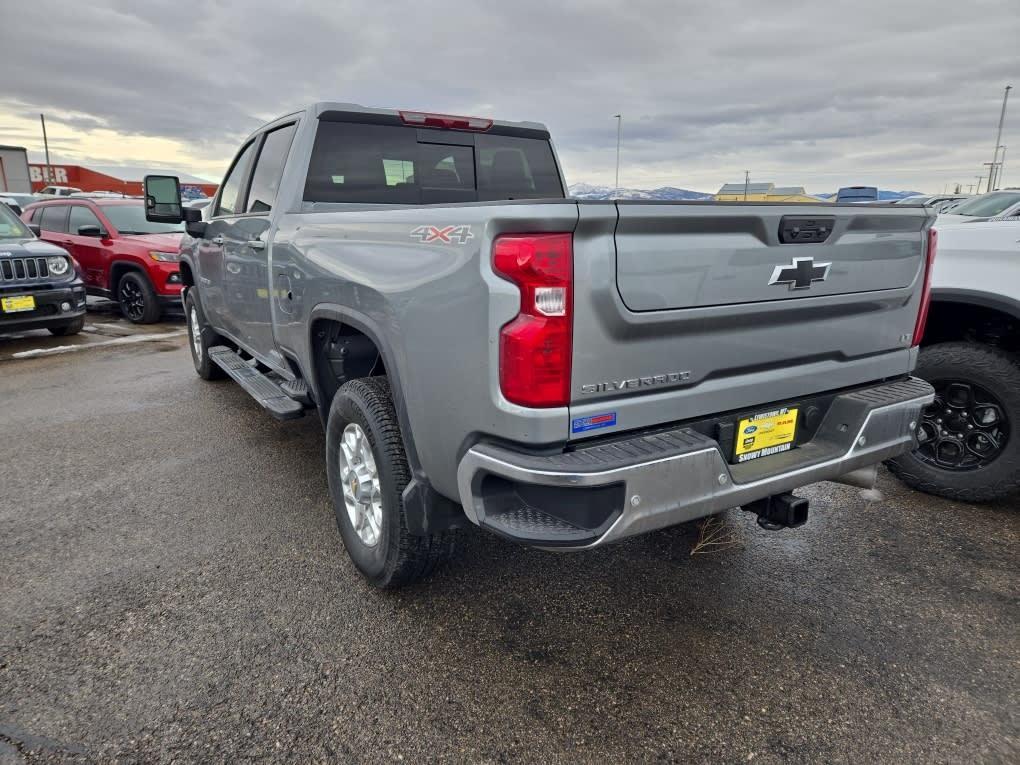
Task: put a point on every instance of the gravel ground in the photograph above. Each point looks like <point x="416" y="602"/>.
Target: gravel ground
<point x="174" y="589"/>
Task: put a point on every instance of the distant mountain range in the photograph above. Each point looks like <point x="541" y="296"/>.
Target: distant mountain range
<point x="662" y="194"/>
<point x="670" y="193"/>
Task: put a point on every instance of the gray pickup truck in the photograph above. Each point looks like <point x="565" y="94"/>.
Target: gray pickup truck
<point x="562" y="373"/>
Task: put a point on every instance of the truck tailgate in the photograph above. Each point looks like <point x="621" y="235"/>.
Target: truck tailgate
<point x="670" y="257"/>
<point x="691" y="310"/>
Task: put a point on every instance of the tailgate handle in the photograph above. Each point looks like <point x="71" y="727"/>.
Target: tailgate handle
<point x="802" y="230"/>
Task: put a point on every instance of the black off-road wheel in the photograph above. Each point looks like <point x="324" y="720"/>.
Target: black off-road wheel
<point x="137" y="299"/>
<point x="201" y="337"/>
<point x="72" y="327"/>
<point x="367" y="470"/>
<point x="968" y="439"/>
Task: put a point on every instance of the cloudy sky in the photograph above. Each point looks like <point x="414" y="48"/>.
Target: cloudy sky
<point x="901" y="94"/>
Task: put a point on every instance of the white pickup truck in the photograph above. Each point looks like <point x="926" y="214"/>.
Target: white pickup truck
<point x="969" y="447"/>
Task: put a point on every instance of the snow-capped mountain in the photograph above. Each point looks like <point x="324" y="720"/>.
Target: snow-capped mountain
<point x="664" y="193"/>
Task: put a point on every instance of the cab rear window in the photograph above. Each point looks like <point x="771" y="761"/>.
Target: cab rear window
<point x="389" y="164"/>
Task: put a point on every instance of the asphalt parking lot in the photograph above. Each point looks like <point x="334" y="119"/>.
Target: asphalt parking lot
<point x="174" y="589"/>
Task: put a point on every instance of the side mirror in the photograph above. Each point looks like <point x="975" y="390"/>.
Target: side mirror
<point x="163" y="199"/>
<point x="91" y="230"/>
<point x="193" y="222"/>
<point x="35" y="228"/>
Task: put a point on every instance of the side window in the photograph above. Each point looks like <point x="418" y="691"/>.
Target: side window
<point x="53" y="218"/>
<point x="228" y="204"/>
<point x="265" y="181"/>
<point x="81" y="216"/>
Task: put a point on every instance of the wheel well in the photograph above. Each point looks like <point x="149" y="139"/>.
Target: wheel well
<point x="948" y="320"/>
<point x="117" y="272"/>
<point x="187" y="277"/>
<point x="341" y="353"/>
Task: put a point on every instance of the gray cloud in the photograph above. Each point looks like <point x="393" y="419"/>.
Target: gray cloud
<point x="904" y="94"/>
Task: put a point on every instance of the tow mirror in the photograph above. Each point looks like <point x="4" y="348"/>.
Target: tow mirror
<point x="163" y="199"/>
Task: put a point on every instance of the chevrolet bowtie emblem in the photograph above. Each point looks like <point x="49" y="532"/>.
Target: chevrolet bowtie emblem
<point x="801" y="274"/>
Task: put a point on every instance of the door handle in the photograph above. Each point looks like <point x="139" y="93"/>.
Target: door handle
<point x="256" y="244"/>
<point x="217" y="239"/>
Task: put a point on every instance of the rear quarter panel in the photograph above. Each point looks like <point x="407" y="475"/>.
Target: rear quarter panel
<point x="435" y="306"/>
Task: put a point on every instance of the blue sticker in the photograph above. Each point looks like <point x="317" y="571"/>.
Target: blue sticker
<point x="596" y="421"/>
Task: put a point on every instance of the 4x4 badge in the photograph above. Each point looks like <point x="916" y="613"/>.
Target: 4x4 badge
<point x="801" y="274"/>
<point x="444" y="235"/>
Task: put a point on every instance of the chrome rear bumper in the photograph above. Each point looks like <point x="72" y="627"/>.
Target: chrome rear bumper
<point x="656" y="480"/>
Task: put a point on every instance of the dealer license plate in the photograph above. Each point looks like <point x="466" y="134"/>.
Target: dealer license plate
<point x="18" y="303"/>
<point x="765" y="434"/>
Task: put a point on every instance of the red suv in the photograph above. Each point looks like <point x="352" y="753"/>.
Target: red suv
<point x="123" y="257"/>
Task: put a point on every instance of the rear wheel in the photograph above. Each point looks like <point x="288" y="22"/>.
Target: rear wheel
<point x="137" y="299"/>
<point x="201" y="337"/>
<point x="968" y="445"/>
<point x="368" y="471"/>
<point x="72" y="327"/>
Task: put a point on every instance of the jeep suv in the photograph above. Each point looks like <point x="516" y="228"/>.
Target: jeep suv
<point x="123" y="256"/>
<point x="39" y="286"/>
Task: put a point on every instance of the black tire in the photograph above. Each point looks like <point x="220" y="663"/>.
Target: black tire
<point x="137" y="299"/>
<point x="397" y="558"/>
<point x="72" y="327"/>
<point x="206" y="338"/>
<point x="998" y="373"/>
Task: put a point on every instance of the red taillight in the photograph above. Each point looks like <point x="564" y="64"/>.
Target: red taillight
<point x="929" y="265"/>
<point x="448" y="121"/>
<point x="535" y="348"/>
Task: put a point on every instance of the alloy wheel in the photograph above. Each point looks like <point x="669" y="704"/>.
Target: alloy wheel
<point x="964" y="429"/>
<point x="132" y="299"/>
<point x="362" y="490"/>
<point x="196" y="333"/>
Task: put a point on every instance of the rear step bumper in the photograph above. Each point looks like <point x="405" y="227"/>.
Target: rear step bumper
<point x="608" y="492"/>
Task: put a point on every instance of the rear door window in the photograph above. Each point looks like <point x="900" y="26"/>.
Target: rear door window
<point x="54" y="218"/>
<point x="387" y="164"/>
<point x="265" y="181"/>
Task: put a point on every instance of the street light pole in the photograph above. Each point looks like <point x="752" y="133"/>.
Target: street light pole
<point x="46" y="146"/>
<point x="1002" y="167"/>
<point x="998" y="137"/>
<point x="619" y="131"/>
<point x="747" y="181"/>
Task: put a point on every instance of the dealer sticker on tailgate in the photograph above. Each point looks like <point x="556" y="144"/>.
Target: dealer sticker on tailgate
<point x="766" y="433"/>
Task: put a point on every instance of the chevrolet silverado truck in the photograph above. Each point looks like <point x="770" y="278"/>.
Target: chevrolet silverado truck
<point x="566" y="374"/>
<point x="968" y="444"/>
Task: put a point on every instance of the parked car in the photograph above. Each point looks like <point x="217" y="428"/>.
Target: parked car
<point x="560" y="372"/>
<point x="57" y="191"/>
<point x="969" y="438"/>
<point x="851" y="194"/>
<point x="39" y="288"/>
<point x="937" y="201"/>
<point x="17" y="202"/>
<point x="123" y="256"/>
<point x="995" y="204"/>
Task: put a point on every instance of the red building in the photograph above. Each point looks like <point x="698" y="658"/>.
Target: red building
<point x="127" y="180"/>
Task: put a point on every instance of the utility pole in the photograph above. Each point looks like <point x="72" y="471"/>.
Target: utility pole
<point x="998" y="136"/>
<point x="747" y="182"/>
<point x="46" y="146"/>
<point x="980" y="178"/>
<point x="619" y="131"/>
<point x="1002" y="167"/>
<point x="991" y="174"/>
